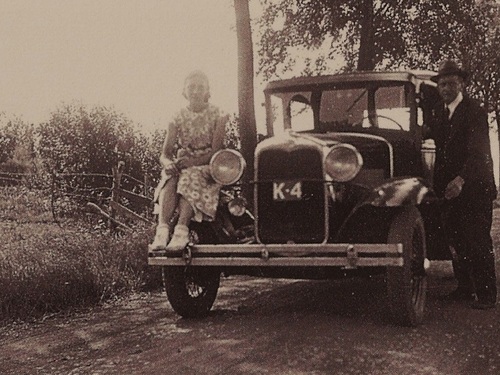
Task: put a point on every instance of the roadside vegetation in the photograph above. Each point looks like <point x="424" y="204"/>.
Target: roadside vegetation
<point x="55" y="255"/>
<point x="47" y="268"/>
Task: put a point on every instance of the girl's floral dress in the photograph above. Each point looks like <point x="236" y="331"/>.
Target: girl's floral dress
<point x="195" y="132"/>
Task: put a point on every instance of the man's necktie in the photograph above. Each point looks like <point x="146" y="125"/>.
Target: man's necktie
<point x="447" y="122"/>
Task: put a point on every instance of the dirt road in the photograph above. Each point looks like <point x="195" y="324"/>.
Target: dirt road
<point x="261" y="326"/>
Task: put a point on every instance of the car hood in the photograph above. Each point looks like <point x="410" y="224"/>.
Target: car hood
<point x="291" y="140"/>
<point x="376" y="151"/>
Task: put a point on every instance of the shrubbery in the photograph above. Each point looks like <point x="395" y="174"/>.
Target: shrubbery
<point x="46" y="268"/>
<point x="81" y="140"/>
<point x="17" y="146"/>
<point x="78" y="139"/>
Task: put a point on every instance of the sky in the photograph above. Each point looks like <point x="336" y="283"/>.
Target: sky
<point x="132" y="55"/>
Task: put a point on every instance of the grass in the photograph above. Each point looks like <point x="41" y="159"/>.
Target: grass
<point x="23" y="205"/>
<point x="48" y="268"/>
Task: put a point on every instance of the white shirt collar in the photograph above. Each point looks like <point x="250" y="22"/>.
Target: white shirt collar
<point x="453" y="105"/>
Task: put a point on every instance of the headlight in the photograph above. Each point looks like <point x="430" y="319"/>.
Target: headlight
<point x="343" y="162"/>
<point x="227" y="166"/>
<point x="237" y="207"/>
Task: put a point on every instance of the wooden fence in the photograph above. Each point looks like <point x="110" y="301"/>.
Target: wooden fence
<point x="119" y="198"/>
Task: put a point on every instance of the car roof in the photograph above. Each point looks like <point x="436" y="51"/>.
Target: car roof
<point x="301" y="83"/>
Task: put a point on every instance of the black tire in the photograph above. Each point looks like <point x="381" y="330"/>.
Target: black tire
<point x="191" y="291"/>
<point x="407" y="285"/>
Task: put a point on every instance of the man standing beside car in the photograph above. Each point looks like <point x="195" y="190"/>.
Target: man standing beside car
<point x="463" y="175"/>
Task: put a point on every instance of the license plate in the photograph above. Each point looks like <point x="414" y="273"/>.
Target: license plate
<point x="287" y="191"/>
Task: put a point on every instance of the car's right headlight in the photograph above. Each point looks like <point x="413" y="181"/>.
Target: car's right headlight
<point x="343" y="162"/>
<point x="227" y="166"/>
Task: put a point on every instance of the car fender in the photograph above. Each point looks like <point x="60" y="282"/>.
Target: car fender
<point x="400" y="191"/>
<point x="368" y="221"/>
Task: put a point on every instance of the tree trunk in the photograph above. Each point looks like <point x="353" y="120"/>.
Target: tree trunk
<point x="497" y="117"/>
<point x="246" y="109"/>
<point x="366" y="59"/>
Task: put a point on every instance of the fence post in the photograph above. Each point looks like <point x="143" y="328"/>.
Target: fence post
<point x="115" y="193"/>
<point x="146" y="193"/>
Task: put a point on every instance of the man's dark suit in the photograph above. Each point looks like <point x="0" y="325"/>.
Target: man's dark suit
<point x="463" y="149"/>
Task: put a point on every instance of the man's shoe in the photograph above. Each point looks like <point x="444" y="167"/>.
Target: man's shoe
<point x="483" y="305"/>
<point x="460" y="294"/>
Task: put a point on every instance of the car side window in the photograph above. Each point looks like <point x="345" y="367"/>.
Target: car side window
<point x="301" y="114"/>
<point x="392" y="111"/>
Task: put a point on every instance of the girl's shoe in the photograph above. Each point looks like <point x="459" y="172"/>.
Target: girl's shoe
<point x="161" y="238"/>
<point x="180" y="238"/>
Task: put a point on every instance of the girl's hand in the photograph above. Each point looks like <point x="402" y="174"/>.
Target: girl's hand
<point x="171" y="169"/>
<point x="184" y="163"/>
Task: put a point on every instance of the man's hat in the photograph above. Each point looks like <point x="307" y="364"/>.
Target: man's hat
<point x="448" y="68"/>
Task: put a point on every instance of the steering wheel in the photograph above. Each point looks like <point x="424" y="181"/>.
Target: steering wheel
<point x="360" y="122"/>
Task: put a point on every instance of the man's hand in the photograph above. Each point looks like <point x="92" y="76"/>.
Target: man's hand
<point x="454" y="188"/>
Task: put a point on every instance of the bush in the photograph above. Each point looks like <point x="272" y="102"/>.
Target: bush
<point x="17" y="146"/>
<point x="78" y="139"/>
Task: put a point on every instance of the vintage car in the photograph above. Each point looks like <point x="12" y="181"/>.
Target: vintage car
<point x="342" y="187"/>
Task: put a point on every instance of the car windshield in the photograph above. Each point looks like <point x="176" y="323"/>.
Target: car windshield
<point x="344" y="108"/>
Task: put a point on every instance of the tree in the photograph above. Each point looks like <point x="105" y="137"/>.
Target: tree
<point x="362" y="35"/>
<point x="17" y="145"/>
<point x="246" y="108"/>
<point x="8" y="139"/>
<point x="481" y="58"/>
<point x="473" y="38"/>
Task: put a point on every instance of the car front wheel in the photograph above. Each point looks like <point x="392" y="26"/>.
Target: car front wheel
<point x="407" y="285"/>
<point x="191" y="291"/>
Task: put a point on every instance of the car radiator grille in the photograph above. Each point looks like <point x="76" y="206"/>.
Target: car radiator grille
<point x="291" y="221"/>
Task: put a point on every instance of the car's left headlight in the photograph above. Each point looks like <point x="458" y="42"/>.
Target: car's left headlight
<point x="343" y="162"/>
<point x="227" y="166"/>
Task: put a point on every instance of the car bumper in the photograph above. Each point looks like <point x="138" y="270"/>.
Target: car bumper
<point x="289" y="255"/>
